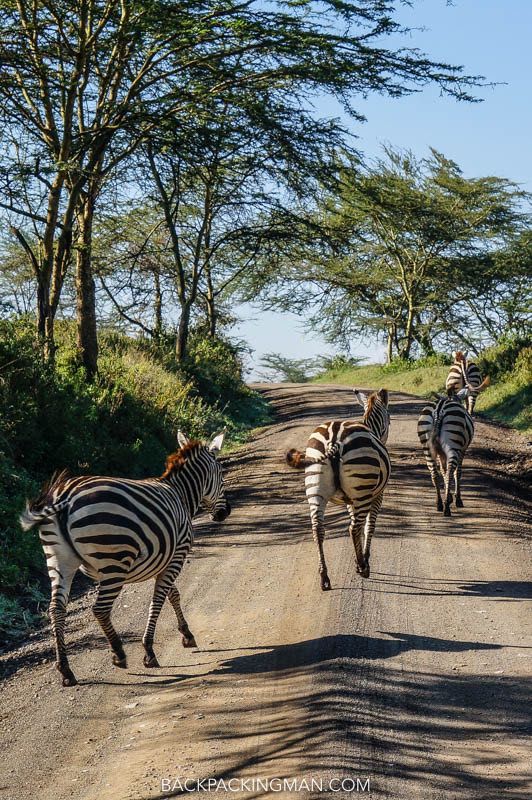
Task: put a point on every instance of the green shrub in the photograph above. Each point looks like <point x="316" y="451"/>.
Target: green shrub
<point x="123" y="423"/>
<point x="339" y="362"/>
<point x="404" y="365"/>
<point x="502" y="357"/>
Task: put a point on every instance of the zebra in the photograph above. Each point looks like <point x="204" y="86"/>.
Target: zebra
<point x="346" y="463"/>
<point x="119" y="531"/>
<point x="445" y="430"/>
<point x="466" y="373"/>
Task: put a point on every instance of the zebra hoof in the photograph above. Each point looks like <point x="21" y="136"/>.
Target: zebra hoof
<point x="459" y="502"/>
<point x="365" y="572"/>
<point x="120" y="661"/>
<point x="188" y="641"/>
<point x="447" y="511"/>
<point x="67" y="677"/>
<point x="439" y="507"/>
<point x="325" y="583"/>
<point x="150" y="661"/>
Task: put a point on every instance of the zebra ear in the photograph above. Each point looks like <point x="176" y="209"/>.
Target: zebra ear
<point x="361" y="397"/>
<point x="216" y="444"/>
<point x="465" y="354"/>
<point x="463" y="393"/>
<point x="382" y="394"/>
<point x="182" y="439"/>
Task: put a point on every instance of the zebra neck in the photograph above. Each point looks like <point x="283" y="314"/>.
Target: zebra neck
<point x="374" y="428"/>
<point x="189" y="491"/>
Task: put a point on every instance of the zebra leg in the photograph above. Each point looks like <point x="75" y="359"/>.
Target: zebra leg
<point x="319" y="488"/>
<point x="163" y="584"/>
<point x="356" y="530"/>
<point x="62" y="565"/>
<point x="471" y="400"/>
<point x="108" y="591"/>
<point x="317" y="513"/>
<point x="449" y="476"/>
<point x="457" y="481"/>
<point x="188" y="639"/>
<point x="369" y="530"/>
<point x="435" y="478"/>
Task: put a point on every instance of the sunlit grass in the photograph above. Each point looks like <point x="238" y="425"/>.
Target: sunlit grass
<point x="507" y="400"/>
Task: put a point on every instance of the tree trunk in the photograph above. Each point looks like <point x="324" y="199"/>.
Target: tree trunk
<point x="183" y="332"/>
<point x="85" y="289"/>
<point x="389" y="345"/>
<point x="425" y="343"/>
<point x="45" y="321"/>
<point x="157" y="307"/>
<point x="409" y="332"/>
<point x="212" y="316"/>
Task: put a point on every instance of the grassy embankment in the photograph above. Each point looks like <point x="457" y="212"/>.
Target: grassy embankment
<point x="508" y="399"/>
<point x="124" y="423"/>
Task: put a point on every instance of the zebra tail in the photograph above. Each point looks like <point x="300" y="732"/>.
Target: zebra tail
<point x="43" y="507"/>
<point x="31" y="517"/>
<point x="296" y="459"/>
<point x="484" y="385"/>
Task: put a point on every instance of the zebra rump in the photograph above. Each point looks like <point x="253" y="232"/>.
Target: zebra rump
<point x="346" y="463"/>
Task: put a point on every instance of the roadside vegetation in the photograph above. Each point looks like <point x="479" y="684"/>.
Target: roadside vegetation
<point x="122" y="423"/>
<point x="509" y="364"/>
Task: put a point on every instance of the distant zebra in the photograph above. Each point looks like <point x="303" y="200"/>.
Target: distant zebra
<point x="445" y="430"/>
<point x="120" y="531"/>
<point x="346" y="463"/>
<point x="466" y="373"/>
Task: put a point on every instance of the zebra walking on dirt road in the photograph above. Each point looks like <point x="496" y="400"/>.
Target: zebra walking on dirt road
<point x="120" y="531"/>
<point x="466" y="374"/>
<point x="346" y="462"/>
<point x="445" y="430"/>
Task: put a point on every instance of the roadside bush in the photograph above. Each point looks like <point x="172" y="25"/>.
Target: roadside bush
<point x="403" y="365"/>
<point x="502" y="357"/>
<point x="123" y="423"/>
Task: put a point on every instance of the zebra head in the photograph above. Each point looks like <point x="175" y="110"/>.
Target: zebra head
<point x="376" y="414"/>
<point x="211" y="491"/>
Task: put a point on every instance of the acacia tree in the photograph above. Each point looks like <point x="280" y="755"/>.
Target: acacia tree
<point x="132" y="264"/>
<point x="221" y="191"/>
<point x="86" y="80"/>
<point x="409" y="247"/>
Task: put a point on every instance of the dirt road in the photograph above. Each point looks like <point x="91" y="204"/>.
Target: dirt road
<point x="416" y="678"/>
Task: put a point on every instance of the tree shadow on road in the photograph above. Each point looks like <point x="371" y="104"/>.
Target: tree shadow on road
<point x="333" y="711"/>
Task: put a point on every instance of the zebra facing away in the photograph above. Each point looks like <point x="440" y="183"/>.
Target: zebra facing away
<point x="120" y="531"/>
<point x="445" y="430"/>
<point x="464" y="373"/>
<point x="346" y="462"/>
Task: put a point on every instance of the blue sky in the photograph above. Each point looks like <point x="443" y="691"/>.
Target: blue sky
<point x="489" y="37"/>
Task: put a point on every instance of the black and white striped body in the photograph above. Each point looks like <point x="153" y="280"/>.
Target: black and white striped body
<point x="465" y="373"/>
<point x="445" y="430"/>
<point x="120" y="531"/>
<point x="346" y="462"/>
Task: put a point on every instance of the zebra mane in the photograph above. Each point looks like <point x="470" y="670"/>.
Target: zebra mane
<point x="176" y="461"/>
<point x="372" y="400"/>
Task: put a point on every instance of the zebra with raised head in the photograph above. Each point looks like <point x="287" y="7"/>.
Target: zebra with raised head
<point x="120" y="531"/>
<point x="346" y="462"/>
<point x="445" y="430"/>
<point x="465" y="373"/>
